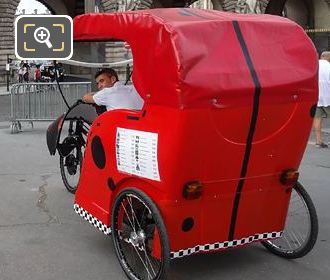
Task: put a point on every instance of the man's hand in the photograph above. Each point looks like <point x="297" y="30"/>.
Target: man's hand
<point x="88" y="98"/>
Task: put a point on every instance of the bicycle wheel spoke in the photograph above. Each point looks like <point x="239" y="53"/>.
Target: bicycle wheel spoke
<point x="129" y="255"/>
<point x="296" y="239"/>
<point x="131" y="223"/>
<point x="132" y="232"/>
<point x="144" y="264"/>
<point x="147" y="258"/>
<point x="300" y="229"/>
<point x="287" y="241"/>
<point x="133" y="212"/>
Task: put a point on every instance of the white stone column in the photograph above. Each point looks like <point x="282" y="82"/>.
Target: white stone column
<point x="322" y="14"/>
<point x="7" y="17"/>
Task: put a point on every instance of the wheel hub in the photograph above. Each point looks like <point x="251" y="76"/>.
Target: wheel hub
<point x="71" y="164"/>
<point x="137" y="238"/>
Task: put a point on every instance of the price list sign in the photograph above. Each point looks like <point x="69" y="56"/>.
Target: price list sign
<point x="136" y="153"/>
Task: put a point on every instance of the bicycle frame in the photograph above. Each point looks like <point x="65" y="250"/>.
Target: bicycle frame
<point x="80" y="113"/>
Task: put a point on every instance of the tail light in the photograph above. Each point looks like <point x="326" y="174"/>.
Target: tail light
<point x="289" y="177"/>
<point x="192" y="190"/>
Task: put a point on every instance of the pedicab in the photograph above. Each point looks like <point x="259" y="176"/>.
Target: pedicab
<point x="211" y="161"/>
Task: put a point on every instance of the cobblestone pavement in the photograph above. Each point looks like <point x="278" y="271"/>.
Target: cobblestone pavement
<point x="42" y="238"/>
<point x="4" y="107"/>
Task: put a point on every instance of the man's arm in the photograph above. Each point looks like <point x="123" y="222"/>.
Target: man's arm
<point x="88" y="98"/>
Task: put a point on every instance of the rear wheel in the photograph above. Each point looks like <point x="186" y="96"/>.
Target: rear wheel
<point x="301" y="227"/>
<point x="70" y="167"/>
<point x="139" y="236"/>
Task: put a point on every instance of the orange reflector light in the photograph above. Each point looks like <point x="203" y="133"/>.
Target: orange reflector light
<point x="192" y="190"/>
<point x="289" y="177"/>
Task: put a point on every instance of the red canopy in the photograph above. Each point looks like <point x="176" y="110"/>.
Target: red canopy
<point x="192" y="58"/>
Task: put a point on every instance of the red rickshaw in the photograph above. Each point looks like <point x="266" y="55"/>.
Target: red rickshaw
<point x="211" y="160"/>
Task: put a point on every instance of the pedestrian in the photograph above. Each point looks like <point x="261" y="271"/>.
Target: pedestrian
<point x="20" y="75"/>
<point x="323" y="105"/>
<point x="37" y="74"/>
<point x="26" y="72"/>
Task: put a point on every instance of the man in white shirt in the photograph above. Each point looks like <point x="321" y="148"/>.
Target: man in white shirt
<point x="323" y="105"/>
<point x="112" y="93"/>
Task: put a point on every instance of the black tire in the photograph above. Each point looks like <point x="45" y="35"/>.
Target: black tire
<point x="134" y="230"/>
<point x="70" y="167"/>
<point x="282" y="246"/>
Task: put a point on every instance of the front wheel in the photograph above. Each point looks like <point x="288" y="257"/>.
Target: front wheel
<point x="301" y="227"/>
<point x="139" y="236"/>
<point x="70" y="167"/>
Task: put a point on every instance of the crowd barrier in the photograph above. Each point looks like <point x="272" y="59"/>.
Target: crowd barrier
<point x="31" y="102"/>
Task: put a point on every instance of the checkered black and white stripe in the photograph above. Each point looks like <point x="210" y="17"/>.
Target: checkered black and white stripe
<point x="92" y="220"/>
<point x="225" y="244"/>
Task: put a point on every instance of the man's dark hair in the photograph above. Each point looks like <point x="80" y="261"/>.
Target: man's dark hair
<point x="109" y="71"/>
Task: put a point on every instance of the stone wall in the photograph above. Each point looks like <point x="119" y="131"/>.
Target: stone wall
<point x="322" y="14"/>
<point x="115" y="51"/>
<point x="7" y="16"/>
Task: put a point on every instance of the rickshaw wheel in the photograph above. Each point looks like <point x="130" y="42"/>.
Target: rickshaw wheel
<point x="70" y="167"/>
<point x="301" y="228"/>
<point x="139" y="236"/>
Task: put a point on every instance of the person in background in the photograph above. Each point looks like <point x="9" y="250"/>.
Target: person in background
<point x="46" y="75"/>
<point x="59" y="72"/>
<point x="112" y="93"/>
<point x="20" y="75"/>
<point x="37" y="74"/>
<point x="323" y="105"/>
<point x="26" y="69"/>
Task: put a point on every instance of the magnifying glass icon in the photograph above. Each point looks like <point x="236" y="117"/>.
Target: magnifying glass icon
<point x="41" y="35"/>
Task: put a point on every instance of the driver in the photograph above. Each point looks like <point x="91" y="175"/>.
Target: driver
<point x="112" y="93"/>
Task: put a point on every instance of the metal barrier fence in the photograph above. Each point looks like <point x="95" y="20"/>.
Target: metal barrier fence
<point x="42" y="101"/>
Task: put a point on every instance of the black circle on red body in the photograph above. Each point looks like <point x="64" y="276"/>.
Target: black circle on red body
<point x="187" y="224"/>
<point x="98" y="153"/>
<point x="111" y="184"/>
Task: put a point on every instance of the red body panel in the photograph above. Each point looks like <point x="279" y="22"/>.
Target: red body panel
<point x="204" y="100"/>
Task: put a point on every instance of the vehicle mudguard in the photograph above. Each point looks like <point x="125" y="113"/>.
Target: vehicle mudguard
<point x="79" y="111"/>
<point x="53" y="134"/>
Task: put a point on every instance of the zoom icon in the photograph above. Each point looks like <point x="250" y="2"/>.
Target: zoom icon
<point x="43" y="37"/>
<point x="39" y="36"/>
